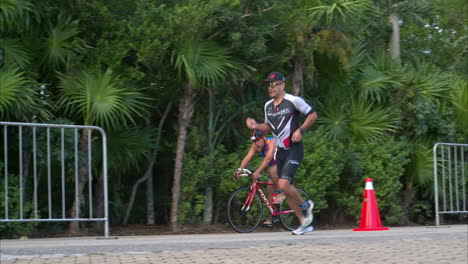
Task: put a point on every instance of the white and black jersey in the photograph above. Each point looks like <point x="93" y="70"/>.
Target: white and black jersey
<point x="284" y="118"/>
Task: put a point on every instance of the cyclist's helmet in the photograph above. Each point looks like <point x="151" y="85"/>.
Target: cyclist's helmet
<point x="256" y="134"/>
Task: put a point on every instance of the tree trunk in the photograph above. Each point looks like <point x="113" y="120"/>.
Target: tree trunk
<point x="99" y="199"/>
<point x="208" y="211"/>
<point x="150" y="200"/>
<point x="217" y="211"/>
<point x="26" y="166"/>
<point x="149" y="172"/>
<point x="82" y="179"/>
<point x="394" y="44"/>
<point x="298" y="76"/>
<point x="149" y="182"/>
<point x="27" y="156"/>
<point x="186" y="109"/>
<point x="408" y="196"/>
<point x="311" y="68"/>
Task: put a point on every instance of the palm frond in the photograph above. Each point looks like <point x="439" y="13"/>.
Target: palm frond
<point x="410" y="9"/>
<point x="15" y="53"/>
<point x="460" y="101"/>
<point x="16" y="95"/>
<point x="13" y="14"/>
<point x="357" y="57"/>
<point x="19" y="97"/>
<point x="373" y="84"/>
<point x="420" y="170"/>
<point x="96" y="98"/>
<point x="129" y="146"/>
<point x="430" y="83"/>
<point x="382" y="61"/>
<point x="368" y="123"/>
<point x="61" y="42"/>
<point x="341" y="11"/>
<point x="202" y="62"/>
<point x="335" y="122"/>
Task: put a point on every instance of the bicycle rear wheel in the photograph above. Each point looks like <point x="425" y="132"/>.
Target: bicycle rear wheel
<point x="289" y="220"/>
<point x="244" y="220"/>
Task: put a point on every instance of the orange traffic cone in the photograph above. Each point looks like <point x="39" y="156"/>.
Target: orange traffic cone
<point x="370" y="217"/>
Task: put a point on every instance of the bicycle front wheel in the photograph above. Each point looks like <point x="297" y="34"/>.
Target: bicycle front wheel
<point x="244" y="219"/>
<point x="289" y="220"/>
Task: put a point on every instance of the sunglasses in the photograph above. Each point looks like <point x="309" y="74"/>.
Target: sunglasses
<point x="274" y="84"/>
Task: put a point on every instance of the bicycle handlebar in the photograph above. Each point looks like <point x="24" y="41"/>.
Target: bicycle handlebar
<point x="248" y="173"/>
<point x="245" y="173"/>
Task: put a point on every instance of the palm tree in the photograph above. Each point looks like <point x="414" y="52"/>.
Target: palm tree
<point x="357" y="121"/>
<point x="332" y="23"/>
<point x="300" y="41"/>
<point x="420" y="170"/>
<point x="15" y="14"/>
<point x="394" y="11"/>
<point x="19" y="99"/>
<point x="341" y="12"/>
<point x="60" y="44"/>
<point x="357" y="108"/>
<point x="459" y="100"/>
<point x="95" y="98"/>
<point x="198" y="64"/>
<point x="33" y="47"/>
<point x="32" y="40"/>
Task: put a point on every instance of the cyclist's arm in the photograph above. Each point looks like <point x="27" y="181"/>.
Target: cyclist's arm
<point x="248" y="157"/>
<point x="268" y="156"/>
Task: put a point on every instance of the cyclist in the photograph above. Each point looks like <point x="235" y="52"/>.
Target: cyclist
<point x="265" y="146"/>
<point x="282" y="119"/>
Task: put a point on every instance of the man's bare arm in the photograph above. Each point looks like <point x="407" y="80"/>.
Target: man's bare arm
<point x="252" y="124"/>
<point x="309" y="121"/>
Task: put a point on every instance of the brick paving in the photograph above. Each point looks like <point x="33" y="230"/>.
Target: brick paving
<point x="427" y="251"/>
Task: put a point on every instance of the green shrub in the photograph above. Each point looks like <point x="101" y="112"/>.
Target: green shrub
<point x="421" y="212"/>
<point x="319" y="172"/>
<point x="201" y="170"/>
<point x="384" y="162"/>
<point x="14" y="229"/>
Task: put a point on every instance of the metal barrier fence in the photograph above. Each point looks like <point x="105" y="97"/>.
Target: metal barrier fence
<point x="26" y="141"/>
<point x="451" y="186"/>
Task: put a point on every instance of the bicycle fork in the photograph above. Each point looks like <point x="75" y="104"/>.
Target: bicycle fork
<point x="248" y="201"/>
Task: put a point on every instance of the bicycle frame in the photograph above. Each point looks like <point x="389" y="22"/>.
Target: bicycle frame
<point x="255" y="187"/>
<point x="245" y="210"/>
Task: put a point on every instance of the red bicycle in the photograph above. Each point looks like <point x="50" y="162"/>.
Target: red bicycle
<point x="245" y="208"/>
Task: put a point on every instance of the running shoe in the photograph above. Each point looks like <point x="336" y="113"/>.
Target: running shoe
<point x="301" y="230"/>
<point x="308" y="216"/>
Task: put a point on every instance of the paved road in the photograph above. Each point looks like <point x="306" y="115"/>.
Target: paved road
<point x="397" y="245"/>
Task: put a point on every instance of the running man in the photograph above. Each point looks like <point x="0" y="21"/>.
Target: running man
<point x="282" y="119"/>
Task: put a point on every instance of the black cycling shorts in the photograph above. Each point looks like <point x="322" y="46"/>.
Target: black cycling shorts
<point x="288" y="161"/>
